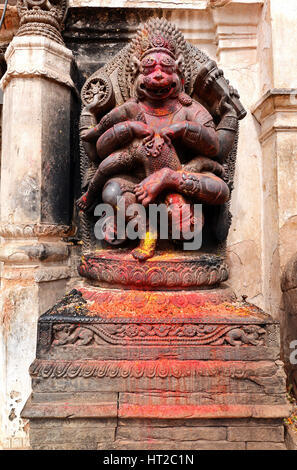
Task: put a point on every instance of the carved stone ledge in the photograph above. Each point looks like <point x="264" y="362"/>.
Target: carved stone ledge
<point x="146" y="4"/>
<point x="33" y="252"/>
<point x="8" y="230"/>
<point x="185" y="334"/>
<point x="89" y="323"/>
<point x="177" y="4"/>
<point x="42" y="18"/>
<point x="218" y="3"/>
<point x="276" y="111"/>
<point x="38" y="56"/>
<point x="36" y="274"/>
<point x="155" y="369"/>
<point x="235" y="35"/>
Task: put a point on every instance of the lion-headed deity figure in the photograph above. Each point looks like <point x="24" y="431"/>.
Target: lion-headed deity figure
<point x="159" y="125"/>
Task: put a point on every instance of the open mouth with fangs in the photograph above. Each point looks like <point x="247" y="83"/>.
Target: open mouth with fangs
<point x="158" y="90"/>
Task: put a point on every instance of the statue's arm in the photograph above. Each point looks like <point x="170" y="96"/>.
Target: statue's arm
<point x="90" y="149"/>
<point x="226" y="130"/>
<point x="114" y="131"/>
<point x="121" y="135"/>
<point x="125" y="112"/>
<point x="194" y="135"/>
<point x="198" y="131"/>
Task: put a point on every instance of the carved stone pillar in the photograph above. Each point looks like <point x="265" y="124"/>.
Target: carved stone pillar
<point x="36" y="207"/>
<point x="236" y="26"/>
<point x="277" y="114"/>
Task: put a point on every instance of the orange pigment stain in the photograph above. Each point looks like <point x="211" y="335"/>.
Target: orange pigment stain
<point x="135" y="304"/>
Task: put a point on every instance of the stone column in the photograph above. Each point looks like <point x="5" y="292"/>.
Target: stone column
<point x="236" y="25"/>
<point x="276" y="113"/>
<point x="36" y="206"/>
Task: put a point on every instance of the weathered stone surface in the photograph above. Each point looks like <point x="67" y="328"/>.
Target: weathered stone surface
<point x="172" y="445"/>
<point x="173" y="398"/>
<point x="260" y="433"/>
<point x="74" y="423"/>
<point x="69" y="410"/>
<point x="206" y="411"/>
<point x="289" y="277"/>
<point x="172" y="434"/>
<point x="245" y="281"/>
<point x="200" y="422"/>
<point x="290" y="301"/>
<point x="156" y="273"/>
<point x="71" y="445"/>
<point x="90" y="435"/>
<point x="70" y="329"/>
<point x="203" y="353"/>
<point x="188" y="376"/>
<point x="289" y="323"/>
<point x="265" y="446"/>
<point x="290" y="438"/>
<point x="199" y="401"/>
<point x="67" y="397"/>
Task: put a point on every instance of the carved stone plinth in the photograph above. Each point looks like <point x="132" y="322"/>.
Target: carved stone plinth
<point x="167" y="270"/>
<point x="153" y="369"/>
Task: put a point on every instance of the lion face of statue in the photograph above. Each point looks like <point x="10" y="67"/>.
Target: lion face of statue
<point x="159" y="77"/>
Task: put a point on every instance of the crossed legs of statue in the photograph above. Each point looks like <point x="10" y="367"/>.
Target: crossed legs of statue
<point x="203" y="187"/>
<point x="200" y="187"/>
<point x="115" y="163"/>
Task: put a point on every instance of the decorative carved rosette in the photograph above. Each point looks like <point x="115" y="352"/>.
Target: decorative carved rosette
<point x="42" y="17"/>
<point x="97" y="94"/>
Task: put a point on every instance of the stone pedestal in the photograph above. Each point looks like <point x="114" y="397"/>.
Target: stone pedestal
<point x="176" y="371"/>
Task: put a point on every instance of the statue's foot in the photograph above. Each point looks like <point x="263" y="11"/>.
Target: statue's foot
<point x="110" y="232"/>
<point x="142" y="254"/>
<point x="84" y="203"/>
<point x="146" y="248"/>
<point x="147" y="191"/>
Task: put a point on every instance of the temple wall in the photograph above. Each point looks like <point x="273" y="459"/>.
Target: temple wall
<point x="254" y="42"/>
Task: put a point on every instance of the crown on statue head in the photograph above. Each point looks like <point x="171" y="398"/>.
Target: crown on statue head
<point x="157" y="43"/>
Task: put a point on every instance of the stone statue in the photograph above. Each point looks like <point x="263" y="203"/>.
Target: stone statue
<point x="159" y="125"/>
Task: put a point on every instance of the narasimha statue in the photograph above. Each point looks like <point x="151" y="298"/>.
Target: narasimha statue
<point x="159" y="125"/>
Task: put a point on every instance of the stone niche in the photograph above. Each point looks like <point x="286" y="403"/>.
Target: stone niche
<point x="153" y="355"/>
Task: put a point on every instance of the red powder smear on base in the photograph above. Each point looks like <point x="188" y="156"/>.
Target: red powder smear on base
<point x="133" y="304"/>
